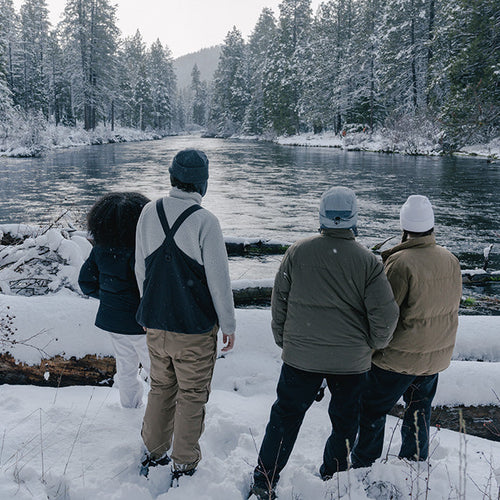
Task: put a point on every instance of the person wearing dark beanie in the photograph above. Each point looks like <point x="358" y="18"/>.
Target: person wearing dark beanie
<point x="190" y="168"/>
<point x="183" y="278"/>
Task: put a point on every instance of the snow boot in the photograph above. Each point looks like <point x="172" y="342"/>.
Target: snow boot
<point x="262" y="493"/>
<point x="148" y="462"/>
<point x="178" y="472"/>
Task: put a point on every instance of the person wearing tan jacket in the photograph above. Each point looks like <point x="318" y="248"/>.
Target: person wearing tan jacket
<point x="427" y="285"/>
<point x="331" y="307"/>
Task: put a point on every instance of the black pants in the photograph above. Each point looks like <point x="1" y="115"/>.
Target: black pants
<point x="296" y="391"/>
<point x="383" y="390"/>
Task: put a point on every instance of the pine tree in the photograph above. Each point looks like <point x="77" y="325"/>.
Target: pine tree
<point x="256" y="120"/>
<point x="91" y="38"/>
<point x="284" y="70"/>
<point x="230" y="85"/>
<point x="162" y="86"/>
<point x="199" y="93"/>
<point x="404" y="33"/>
<point x="10" y="47"/>
<point x="472" y="110"/>
<point x="361" y="65"/>
<point x="319" y="101"/>
<point x="35" y="68"/>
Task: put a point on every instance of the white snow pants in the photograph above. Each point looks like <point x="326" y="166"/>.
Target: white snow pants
<point x="130" y="350"/>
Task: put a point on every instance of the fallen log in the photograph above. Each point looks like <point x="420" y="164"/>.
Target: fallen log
<point x="253" y="295"/>
<point x="249" y="248"/>
<point x="479" y="277"/>
<point x="58" y="371"/>
<point x="261" y="296"/>
<point x="480" y="421"/>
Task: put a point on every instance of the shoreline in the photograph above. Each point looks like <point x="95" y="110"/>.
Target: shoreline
<point x="61" y="137"/>
<point x="383" y="143"/>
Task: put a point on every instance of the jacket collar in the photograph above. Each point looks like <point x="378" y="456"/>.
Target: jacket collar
<point x="420" y="242"/>
<point x="345" y="234"/>
<point x="183" y="195"/>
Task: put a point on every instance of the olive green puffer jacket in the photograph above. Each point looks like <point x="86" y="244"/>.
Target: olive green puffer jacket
<point x="331" y="305"/>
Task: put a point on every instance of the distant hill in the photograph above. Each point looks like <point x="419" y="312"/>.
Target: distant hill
<point x="207" y="61"/>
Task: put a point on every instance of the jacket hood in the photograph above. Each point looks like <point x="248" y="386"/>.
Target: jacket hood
<point x="345" y="234"/>
<point x="419" y="242"/>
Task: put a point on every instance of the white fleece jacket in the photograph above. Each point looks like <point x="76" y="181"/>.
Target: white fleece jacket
<point x="199" y="237"/>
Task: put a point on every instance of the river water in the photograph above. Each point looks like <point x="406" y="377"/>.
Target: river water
<point x="260" y="189"/>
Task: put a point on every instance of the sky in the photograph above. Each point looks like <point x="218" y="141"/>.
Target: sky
<point x="185" y="26"/>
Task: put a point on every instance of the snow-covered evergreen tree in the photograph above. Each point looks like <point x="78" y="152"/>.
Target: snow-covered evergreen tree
<point x="199" y="97"/>
<point x="256" y="120"/>
<point x="284" y="69"/>
<point x="162" y="86"/>
<point x="472" y="108"/>
<point x="403" y="33"/>
<point x="133" y="81"/>
<point x="10" y="47"/>
<point x="34" y="93"/>
<point x="90" y="38"/>
<point x="230" y="86"/>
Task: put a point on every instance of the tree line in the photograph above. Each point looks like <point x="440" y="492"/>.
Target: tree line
<point x="353" y="65"/>
<point x="81" y="70"/>
<point x="363" y="64"/>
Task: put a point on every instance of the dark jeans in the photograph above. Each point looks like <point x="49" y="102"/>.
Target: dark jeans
<point x="296" y="391"/>
<point x="383" y="390"/>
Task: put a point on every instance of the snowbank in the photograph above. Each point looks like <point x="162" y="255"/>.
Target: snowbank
<point x="63" y="324"/>
<point x="78" y="443"/>
<point x="388" y="142"/>
<point x="32" y="137"/>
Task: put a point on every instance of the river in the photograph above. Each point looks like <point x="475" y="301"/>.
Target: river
<point x="260" y="189"/>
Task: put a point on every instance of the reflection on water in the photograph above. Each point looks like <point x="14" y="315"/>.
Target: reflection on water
<point x="266" y="190"/>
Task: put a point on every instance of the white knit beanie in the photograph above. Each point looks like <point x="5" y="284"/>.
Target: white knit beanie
<point x="416" y="214"/>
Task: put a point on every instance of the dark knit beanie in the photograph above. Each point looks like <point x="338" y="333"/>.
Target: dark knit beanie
<point x="190" y="166"/>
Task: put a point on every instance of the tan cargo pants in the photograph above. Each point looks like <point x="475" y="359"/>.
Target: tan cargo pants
<point x="181" y="372"/>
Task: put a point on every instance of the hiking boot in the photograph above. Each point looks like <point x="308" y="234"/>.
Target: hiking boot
<point x="148" y="462"/>
<point x="179" y="470"/>
<point x="325" y="475"/>
<point x="262" y="492"/>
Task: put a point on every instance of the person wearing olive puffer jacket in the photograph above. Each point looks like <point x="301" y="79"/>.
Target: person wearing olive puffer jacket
<point x="331" y="307"/>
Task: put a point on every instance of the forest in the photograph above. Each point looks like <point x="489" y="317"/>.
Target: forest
<point x="353" y="65"/>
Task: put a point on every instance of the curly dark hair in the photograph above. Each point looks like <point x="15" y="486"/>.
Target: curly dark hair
<point x="113" y="219"/>
<point x="189" y="188"/>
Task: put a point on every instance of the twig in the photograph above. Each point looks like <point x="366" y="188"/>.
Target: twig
<point x="41" y="448"/>
<point x="53" y="223"/>
<point x="78" y="432"/>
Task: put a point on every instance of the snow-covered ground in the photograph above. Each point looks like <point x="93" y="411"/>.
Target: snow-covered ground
<point x="78" y="443"/>
<point x="33" y="137"/>
<point x="389" y="142"/>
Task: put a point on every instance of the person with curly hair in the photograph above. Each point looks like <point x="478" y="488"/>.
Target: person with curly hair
<point x="108" y="275"/>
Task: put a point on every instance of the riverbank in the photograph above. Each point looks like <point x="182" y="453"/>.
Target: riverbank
<point x="389" y="142"/>
<point x="32" y="139"/>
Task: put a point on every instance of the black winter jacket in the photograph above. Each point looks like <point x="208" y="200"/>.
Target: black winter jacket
<point x="108" y="275"/>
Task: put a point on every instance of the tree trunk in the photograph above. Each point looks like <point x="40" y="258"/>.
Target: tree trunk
<point x="432" y="14"/>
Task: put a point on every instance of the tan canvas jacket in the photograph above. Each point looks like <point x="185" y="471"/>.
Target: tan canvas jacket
<point x="331" y="305"/>
<point x="427" y="285"/>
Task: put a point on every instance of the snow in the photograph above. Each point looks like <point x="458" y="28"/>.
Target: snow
<point x="63" y="324"/>
<point x="20" y="141"/>
<point x="387" y="141"/>
<point x="78" y="443"/>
